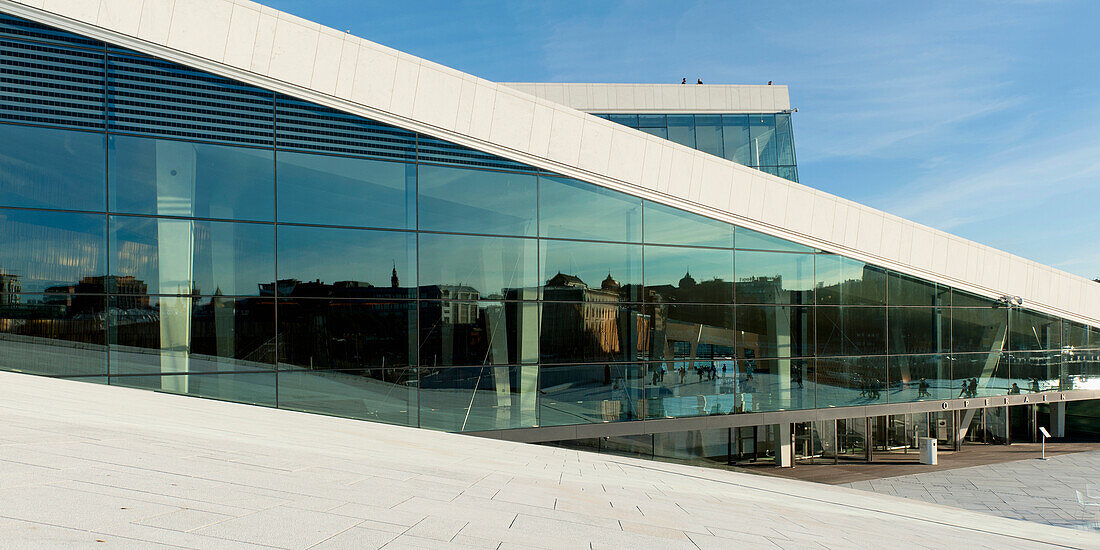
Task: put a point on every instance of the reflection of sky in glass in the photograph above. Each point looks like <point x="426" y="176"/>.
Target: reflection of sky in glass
<point x="224" y="257"/>
<point x="331" y="255"/>
<point x="50" y="168"/>
<point x="592" y="262"/>
<point x="476" y="201"/>
<point x="833" y="270"/>
<point x="488" y="264"/>
<point x="157" y="176"/>
<point x="346" y="191"/>
<point x="796" y="270"/>
<point x="45" y="249"/>
<point x="666" y="225"/>
<point x="667" y="265"/>
<point x="747" y="238"/>
<point x="573" y="209"/>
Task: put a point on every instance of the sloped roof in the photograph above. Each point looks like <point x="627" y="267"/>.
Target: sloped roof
<point x="255" y="44"/>
<point x="127" y="466"/>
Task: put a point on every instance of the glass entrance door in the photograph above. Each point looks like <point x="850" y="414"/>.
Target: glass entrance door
<point x="852" y="439"/>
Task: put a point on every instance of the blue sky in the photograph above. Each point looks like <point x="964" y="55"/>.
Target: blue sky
<point x="978" y="118"/>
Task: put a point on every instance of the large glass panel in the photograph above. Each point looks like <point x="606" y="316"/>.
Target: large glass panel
<point x="574" y="270"/>
<point x="681" y="129"/>
<point x="659" y="131"/>
<point x="343" y="334"/>
<point x="774" y="277"/>
<point x="774" y="331"/>
<point x="58" y="252"/>
<point x="762" y="140"/>
<point x="919" y="330"/>
<point x="625" y="120"/>
<point x="784" y="141"/>
<point x="911" y="291"/>
<point x="479" y="398"/>
<point x="851" y="381"/>
<point x="589" y="394"/>
<point x="690" y="388"/>
<point x="592" y="331"/>
<point x="469" y="267"/>
<point x="331" y="190"/>
<point x="174" y="256"/>
<point x="1035" y="371"/>
<point x="458" y="333"/>
<point x="691" y="331"/>
<point x="52" y="168"/>
<point x="652" y="121"/>
<point x="1074" y="335"/>
<point x="920" y="378"/>
<point x="477" y="201"/>
<point x="735" y="136"/>
<point x="773" y="384"/>
<point x="965" y="299"/>
<point x="253" y="388"/>
<point x="180" y="334"/>
<point x="978" y="329"/>
<point x="53" y="335"/>
<point x="679" y="274"/>
<point x="851" y="330"/>
<point x="788" y="173"/>
<point x="980" y="374"/>
<point x="667" y="225"/>
<point x="325" y="261"/>
<point x="754" y="240"/>
<point x="844" y="281"/>
<point x="574" y="209"/>
<point x="701" y="447"/>
<point x="180" y="178"/>
<point x="379" y="395"/>
<point x="708" y="134"/>
<point x="1033" y="331"/>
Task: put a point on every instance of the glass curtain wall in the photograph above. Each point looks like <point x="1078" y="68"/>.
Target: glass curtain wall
<point x="240" y="245"/>
<point x="763" y="141"/>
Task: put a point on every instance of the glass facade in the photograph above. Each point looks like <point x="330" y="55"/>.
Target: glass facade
<point x="240" y="245"/>
<point x="764" y="141"/>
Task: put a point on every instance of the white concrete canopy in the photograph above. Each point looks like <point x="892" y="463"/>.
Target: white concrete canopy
<point x="243" y="40"/>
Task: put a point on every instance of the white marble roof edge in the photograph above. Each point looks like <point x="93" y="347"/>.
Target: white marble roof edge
<point x="702" y="100"/>
<point x="24" y="9"/>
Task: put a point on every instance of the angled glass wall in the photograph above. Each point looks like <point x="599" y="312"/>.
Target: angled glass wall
<point x="242" y="245"/>
<point x="764" y="141"/>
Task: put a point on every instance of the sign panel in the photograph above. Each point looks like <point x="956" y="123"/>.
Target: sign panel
<point x="1045" y="432"/>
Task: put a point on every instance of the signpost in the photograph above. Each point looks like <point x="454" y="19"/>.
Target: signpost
<point x="1046" y="434"/>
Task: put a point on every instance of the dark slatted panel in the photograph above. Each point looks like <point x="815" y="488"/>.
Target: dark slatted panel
<point x="309" y="127"/>
<point x="159" y="98"/>
<point x="14" y="27"/>
<point x="55" y="85"/>
<point x="438" y="151"/>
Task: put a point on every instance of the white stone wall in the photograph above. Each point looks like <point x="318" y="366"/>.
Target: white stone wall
<point x="255" y="44"/>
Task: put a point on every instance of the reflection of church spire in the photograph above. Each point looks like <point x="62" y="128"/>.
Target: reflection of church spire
<point x="394" y="281"/>
<point x="610" y="283"/>
<point x="687" y="281"/>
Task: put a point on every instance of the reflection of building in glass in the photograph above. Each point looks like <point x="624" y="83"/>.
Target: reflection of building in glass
<point x="401" y="276"/>
<point x="10" y="287"/>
